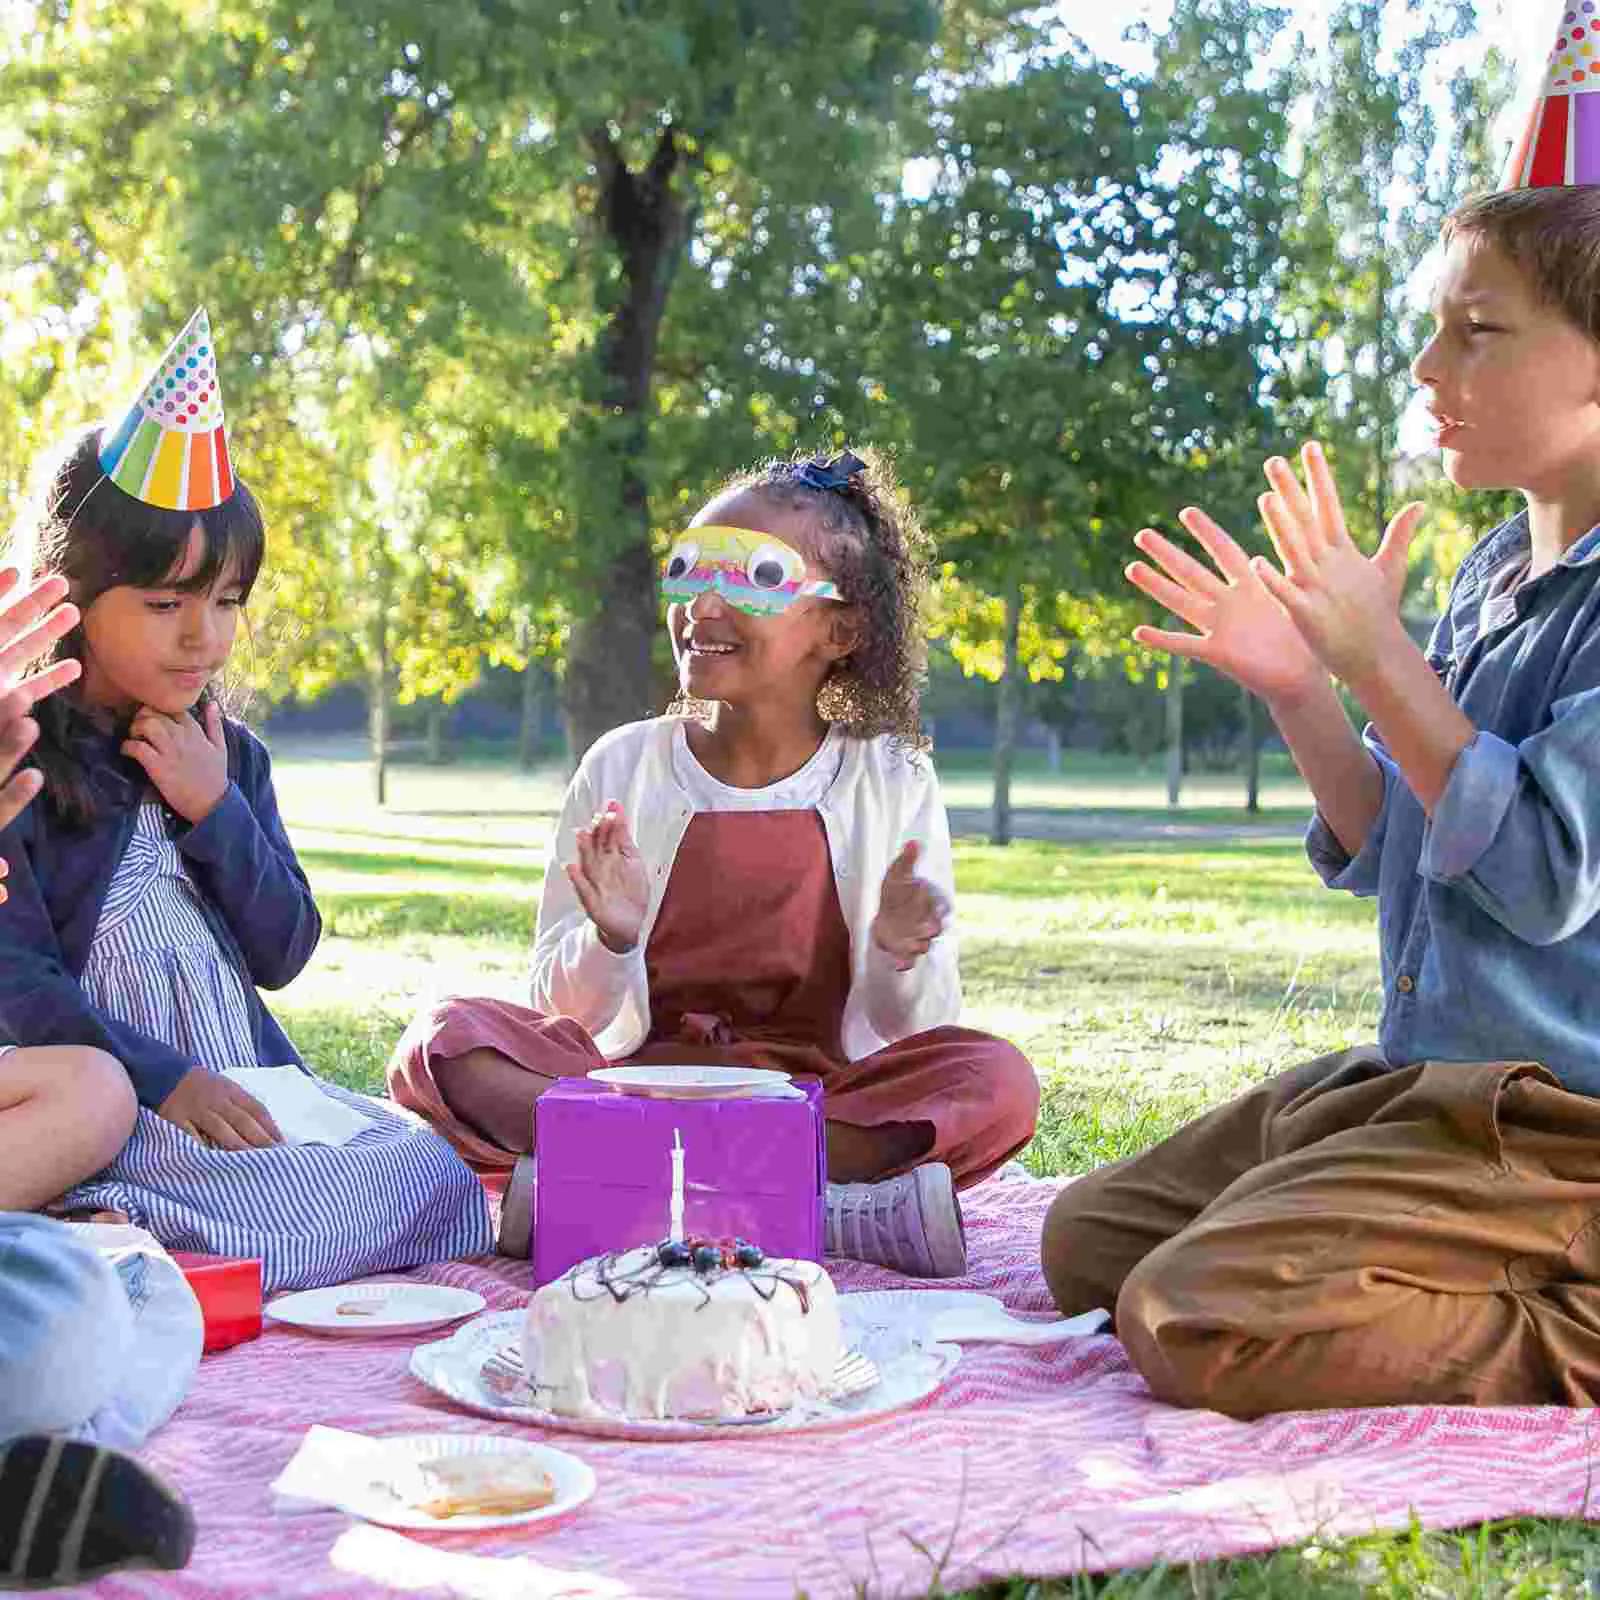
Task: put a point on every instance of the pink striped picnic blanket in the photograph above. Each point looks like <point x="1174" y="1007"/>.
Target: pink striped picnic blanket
<point x="1036" y="1461"/>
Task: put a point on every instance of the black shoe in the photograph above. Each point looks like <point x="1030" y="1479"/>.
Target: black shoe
<point x="70" y="1511"/>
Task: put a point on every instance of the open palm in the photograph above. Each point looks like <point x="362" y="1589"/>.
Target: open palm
<point x="1240" y="628"/>
<point x="610" y="879"/>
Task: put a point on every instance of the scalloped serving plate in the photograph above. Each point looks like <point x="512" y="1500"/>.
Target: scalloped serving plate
<point x="464" y="1368"/>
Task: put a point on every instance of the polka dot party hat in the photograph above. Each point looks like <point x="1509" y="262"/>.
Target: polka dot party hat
<point x="171" y="449"/>
<point x="1561" y="143"/>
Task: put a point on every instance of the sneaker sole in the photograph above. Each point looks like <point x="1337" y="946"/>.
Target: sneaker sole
<point x="941" y="1220"/>
<point x="514" y="1237"/>
<point x="71" y="1511"/>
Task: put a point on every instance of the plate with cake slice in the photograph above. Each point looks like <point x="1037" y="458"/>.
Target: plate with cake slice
<point x="455" y="1483"/>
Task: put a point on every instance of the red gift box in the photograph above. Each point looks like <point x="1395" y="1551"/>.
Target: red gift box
<point x="229" y="1292"/>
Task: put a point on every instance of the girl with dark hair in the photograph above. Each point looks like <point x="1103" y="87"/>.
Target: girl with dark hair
<point x="152" y="887"/>
<point x="763" y="877"/>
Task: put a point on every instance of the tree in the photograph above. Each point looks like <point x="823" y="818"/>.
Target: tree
<point x="1391" y="145"/>
<point x="392" y="179"/>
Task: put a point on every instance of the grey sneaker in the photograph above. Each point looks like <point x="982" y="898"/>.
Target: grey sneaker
<point x="515" y="1237"/>
<point x="911" y="1223"/>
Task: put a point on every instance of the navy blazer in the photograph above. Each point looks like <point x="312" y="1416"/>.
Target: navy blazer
<point x="252" y="889"/>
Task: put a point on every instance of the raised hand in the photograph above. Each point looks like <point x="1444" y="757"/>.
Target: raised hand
<point x="1241" y="629"/>
<point x="1345" y="605"/>
<point x="911" y="911"/>
<point x="29" y="625"/>
<point x="216" y="1111"/>
<point x="186" y="760"/>
<point x="610" y="879"/>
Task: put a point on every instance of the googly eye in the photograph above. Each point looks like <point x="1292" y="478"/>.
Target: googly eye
<point x="681" y="562"/>
<point x="770" y="567"/>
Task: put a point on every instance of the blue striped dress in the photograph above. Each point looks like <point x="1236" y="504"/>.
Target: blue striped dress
<point x="395" y="1196"/>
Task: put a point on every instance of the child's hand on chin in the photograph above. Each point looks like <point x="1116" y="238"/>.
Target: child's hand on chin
<point x="911" y="912"/>
<point x="216" y="1111"/>
<point x="186" y="761"/>
<point x="611" y="879"/>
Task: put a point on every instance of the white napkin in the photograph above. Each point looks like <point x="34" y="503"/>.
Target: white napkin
<point x="304" y="1114"/>
<point x="327" y="1462"/>
<point x="408" y="1566"/>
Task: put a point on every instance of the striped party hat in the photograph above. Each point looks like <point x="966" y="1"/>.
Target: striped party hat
<point x="171" y="449"/>
<point x="1561" y="143"/>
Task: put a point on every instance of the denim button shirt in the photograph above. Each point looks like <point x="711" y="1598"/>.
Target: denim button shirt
<point x="1490" y="942"/>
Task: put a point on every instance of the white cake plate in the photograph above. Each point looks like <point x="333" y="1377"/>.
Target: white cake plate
<point x="910" y="1368"/>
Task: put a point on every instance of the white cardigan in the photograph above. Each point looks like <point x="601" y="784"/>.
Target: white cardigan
<point x="881" y="798"/>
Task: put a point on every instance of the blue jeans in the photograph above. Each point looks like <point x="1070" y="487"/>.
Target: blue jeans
<point x="99" y="1339"/>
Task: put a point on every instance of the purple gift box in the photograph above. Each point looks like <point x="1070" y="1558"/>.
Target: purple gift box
<point x="753" y="1169"/>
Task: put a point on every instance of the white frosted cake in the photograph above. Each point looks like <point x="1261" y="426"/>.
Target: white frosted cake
<point x="682" y="1330"/>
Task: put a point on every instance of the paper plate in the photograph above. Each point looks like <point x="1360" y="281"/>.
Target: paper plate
<point x="909" y="1370"/>
<point x="374" y="1308"/>
<point x="960" y="1316"/>
<point x="695" y="1082"/>
<point x="374" y="1498"/>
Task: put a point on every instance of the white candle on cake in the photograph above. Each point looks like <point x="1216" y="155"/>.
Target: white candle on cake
<point x="675" y="1218"/>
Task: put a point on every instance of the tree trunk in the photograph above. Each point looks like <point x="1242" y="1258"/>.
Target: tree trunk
<point x="1174" y="730"/>
<point x="530" y="729"/>
<point x="434" y="749"/>
<point x="1007" y="704"/>
<point x="378" y="685"/>
<point x="1252" y="752"/>
<point x="1052" y="748"/>
<point x="1381" y="409"/>
<point x="378" y="726"/>
<point x="647" y="223"/>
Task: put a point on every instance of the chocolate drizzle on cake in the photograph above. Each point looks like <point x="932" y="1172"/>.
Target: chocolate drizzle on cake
<point x="701" y="1262"/>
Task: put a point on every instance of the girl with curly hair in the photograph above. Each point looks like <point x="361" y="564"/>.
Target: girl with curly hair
<point x="763" y="877"/>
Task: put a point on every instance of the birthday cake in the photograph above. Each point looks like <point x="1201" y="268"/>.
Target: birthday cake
<point x="688" y="1329"/>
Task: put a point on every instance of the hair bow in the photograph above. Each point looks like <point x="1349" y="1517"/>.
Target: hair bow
<point x="835" y="474"/>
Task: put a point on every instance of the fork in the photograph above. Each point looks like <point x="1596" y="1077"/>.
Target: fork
<point x="854" y="1375"/>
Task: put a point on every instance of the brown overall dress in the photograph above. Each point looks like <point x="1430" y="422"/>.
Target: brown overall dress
<point x="749" y="965"/>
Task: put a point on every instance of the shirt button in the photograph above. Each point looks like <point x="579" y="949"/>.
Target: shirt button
<point x="1405" y="983"/>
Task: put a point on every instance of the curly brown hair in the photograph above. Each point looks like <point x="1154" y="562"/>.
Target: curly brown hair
<point x="877" y="554"/>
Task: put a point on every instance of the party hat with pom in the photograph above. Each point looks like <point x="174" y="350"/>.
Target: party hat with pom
<point x="171" y="450"/>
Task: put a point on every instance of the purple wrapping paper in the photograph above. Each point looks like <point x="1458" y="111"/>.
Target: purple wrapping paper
<point x="753" y="1169"/>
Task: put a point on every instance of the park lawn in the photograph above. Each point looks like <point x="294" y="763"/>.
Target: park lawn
<point x="1146" y="981"/>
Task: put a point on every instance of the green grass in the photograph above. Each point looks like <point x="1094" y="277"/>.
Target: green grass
<point x="1146" y="980"/>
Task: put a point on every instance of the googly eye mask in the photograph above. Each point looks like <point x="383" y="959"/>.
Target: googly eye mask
<point x="752" y="572"/>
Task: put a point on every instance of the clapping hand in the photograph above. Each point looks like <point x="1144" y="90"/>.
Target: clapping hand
<point x="1241" y="629"/>
<point x="185" y="759"/>
<point x="911" y="911"/>
<point x="1344" y="604"/>
<point x="29" y="625"/>
<point x="610" y="879"/>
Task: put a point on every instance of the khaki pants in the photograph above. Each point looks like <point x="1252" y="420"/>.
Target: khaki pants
<point x="1346" y="1235"/>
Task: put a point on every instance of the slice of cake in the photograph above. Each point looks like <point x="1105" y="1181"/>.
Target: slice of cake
<point x="698" y="1329"/>
<point x="487" y="1485"/>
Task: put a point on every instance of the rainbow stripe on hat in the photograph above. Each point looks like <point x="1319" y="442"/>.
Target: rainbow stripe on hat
<point x="1561" y="143"/>
<point x="171" y="450"/>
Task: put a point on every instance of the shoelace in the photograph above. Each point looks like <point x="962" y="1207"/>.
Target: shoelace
<point x="875" y="1205"/>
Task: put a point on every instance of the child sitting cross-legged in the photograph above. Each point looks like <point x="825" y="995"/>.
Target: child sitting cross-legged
<point x="763" y="877"/>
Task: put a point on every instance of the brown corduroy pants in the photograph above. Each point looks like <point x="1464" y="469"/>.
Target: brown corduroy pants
<point x="1348" y="1235"/>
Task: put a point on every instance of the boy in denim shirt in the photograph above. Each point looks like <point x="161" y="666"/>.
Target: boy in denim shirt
<point x="1419" y="1222"/>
